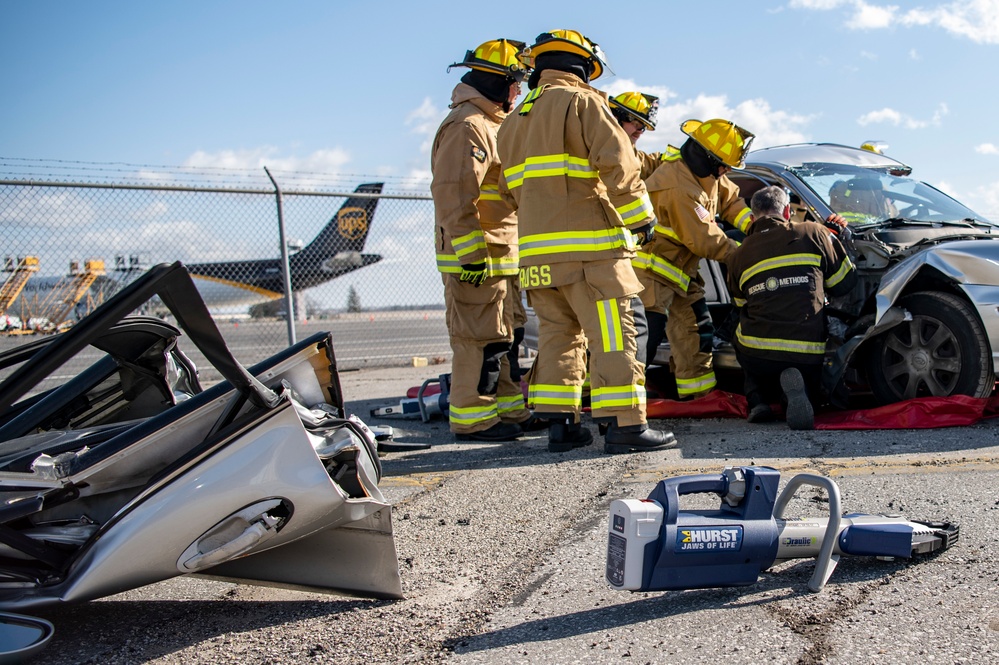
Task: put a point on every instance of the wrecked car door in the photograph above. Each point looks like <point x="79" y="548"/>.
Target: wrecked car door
<point x="129" y="473"/>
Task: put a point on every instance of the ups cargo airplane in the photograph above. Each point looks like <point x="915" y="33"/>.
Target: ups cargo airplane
<point x="335" y="251"/>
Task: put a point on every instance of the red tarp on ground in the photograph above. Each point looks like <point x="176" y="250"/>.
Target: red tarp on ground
<point x="716" y="404"/>
<point x="918" y="413"/>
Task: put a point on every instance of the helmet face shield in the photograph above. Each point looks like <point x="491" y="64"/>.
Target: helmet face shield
<point x="637" y="107"/>
<point x="601" y="57"/>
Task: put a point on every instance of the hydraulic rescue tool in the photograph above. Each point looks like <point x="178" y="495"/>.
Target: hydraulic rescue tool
<point x="654" y="546"/>
<point x="425" y="405"/>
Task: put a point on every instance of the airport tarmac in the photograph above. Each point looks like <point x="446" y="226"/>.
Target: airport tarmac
<point x="502" y="555"/>
<point x="362" y="339"/>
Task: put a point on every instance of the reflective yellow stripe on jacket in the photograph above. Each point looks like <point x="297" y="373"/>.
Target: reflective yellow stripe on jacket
<point x="844" y="269"/>
<point x="468" y="243"/>
<point x="532" y="96"/>
<point x="560" y="242"/>
<point x="662" y="267"/>
<point x="548" y="166"/>
<point x="637" y="210"/>
<point x="776" y="344"/>
<point x="489" y="193"/>
<point x="812" y="260"/>
<point x="743" y="219"/>
<point x="506" y="266"/>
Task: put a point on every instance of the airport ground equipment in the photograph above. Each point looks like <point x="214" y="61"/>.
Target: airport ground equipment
<point x="20" y="269"/>
<point x="59" y="308"/>
<point x="653" y="545"/>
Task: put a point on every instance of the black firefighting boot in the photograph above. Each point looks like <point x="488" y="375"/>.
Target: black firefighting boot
<point x="565" y="435"/>
<point x="534" y="424"/>
<point x="799" y="414"/>
<point x="499" y="432"/>
<point x="636" y="438"/>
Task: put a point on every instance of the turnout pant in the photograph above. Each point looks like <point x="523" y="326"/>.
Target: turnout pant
<point x="689" y="330"/>
<point x="571" y="318"/>
<point x="762" y="379"/>
<point x="480" y="326"/>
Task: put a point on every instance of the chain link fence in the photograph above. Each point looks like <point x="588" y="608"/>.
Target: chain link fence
<point x="359" y="251"/>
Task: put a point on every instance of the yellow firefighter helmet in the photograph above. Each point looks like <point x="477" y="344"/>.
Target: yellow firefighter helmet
<point x="878" y="147"/>
<point x="724" y="139"/>
<point x="637" y="106"/>
<point x="497" y="56"/>
<point x="570" y="41"/>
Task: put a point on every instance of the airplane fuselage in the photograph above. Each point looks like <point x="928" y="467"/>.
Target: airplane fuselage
<point x="252" y="282"/>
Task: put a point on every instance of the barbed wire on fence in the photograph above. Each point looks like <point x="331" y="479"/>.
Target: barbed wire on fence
<point x="68" y="171"/>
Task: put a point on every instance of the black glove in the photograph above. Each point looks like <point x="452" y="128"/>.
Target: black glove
<point x="473" y="273"/>
<point x="646" y="234"/>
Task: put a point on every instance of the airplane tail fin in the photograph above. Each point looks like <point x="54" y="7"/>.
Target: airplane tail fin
<point x="347" y="231"/>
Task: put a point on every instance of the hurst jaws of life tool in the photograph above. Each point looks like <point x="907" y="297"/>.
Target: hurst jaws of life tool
<point x="654" y="546"/>
<point x="424" y="405"/>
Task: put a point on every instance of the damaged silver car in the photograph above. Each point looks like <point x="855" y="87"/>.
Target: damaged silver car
<point x="923" y="319"/>
<point x="129" y="472"/>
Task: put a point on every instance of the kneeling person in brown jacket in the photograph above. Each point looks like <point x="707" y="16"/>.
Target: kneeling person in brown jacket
<point x="779" y="278"/>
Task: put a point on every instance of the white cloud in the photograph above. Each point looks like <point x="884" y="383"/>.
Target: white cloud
<point x="868" y="55"/>
<point x="821" y="5"/>
<point x="329" y="160"/>
<point x="154" y="210"/>
<point x="946" y="187"/>
<point x="976" y="20"/>
<point x="174" y="239"/>
<point x="899" y="119"/>
<point x="771" y="127"/>
<point x="424" y="120"/>
<point x="871" y="17"/>
<point x="987" y="149"/>
<point x="51" y="208"/>
<point x="619" y="85"/>
<point x="989" y="194"/>
<point x="914" y="54"/>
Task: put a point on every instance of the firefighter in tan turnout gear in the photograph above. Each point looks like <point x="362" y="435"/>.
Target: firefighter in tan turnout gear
<point x="574" y="177"/>
<point x="636" y="113"/>
<point x="688" y="189"/>
<point x="476" y="247"/>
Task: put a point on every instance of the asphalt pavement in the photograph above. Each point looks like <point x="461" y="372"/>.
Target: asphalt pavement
<point x="502" y="554"/>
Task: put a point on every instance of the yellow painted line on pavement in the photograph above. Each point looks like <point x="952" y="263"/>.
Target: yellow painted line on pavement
<point x="833" y="468"/>
<point x="424" y="480"/>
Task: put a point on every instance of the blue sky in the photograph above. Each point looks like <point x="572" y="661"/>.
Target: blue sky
<point x="360" y="87"/>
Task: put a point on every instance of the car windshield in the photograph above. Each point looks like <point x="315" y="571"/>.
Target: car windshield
<point x="865" y="196"/>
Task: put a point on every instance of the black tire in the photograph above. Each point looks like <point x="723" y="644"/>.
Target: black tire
<point x="942" y="351"/>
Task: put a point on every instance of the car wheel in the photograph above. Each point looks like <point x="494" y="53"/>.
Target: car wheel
<point x="942" y="351"/>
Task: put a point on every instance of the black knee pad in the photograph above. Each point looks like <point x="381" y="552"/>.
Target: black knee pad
<point x="492" y="359"/>
<point x="657" y="333"/>
<point x="513" y="356"/>
<point x="705" y="326"/>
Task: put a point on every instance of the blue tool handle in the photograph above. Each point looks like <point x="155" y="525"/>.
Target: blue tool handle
<point x="668" y="491"/>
